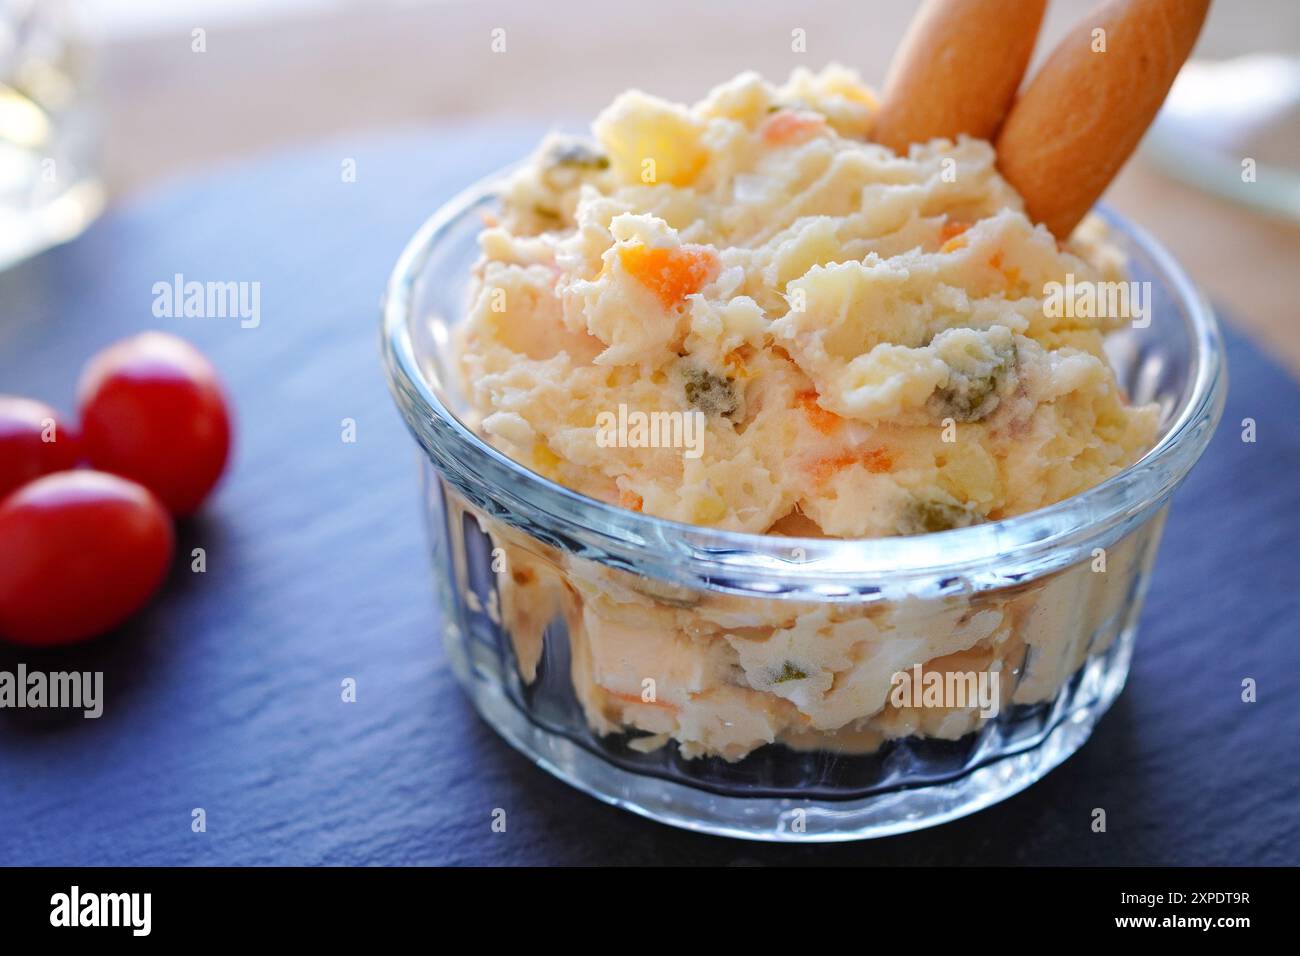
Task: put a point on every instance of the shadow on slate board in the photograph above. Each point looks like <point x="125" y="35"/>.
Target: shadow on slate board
<point x="225" y="693"/>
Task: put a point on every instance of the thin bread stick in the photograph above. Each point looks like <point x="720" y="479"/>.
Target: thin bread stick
<point x="1084" y="112"/>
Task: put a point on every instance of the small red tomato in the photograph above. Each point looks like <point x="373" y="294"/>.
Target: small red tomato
<point x="152" y="410"/>
<point x="34" y="441"/>
<point x="80" y="551"/>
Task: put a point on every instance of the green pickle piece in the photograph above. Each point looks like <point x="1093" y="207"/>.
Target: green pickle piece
<point x="790" y="672"/>
<point x="925" y="516"/>
<point x="711" y="394"/>
<point x="972" y="398"/>
<point x="576" y="154"/>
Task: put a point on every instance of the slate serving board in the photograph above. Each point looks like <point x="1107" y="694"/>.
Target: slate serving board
<point x="225" y="694"/>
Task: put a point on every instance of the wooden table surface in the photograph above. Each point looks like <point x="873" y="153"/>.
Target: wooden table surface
<point x="225" y="694"/>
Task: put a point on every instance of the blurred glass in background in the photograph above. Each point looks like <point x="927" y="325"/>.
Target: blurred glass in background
<point x="49" y="174"/>
<point x="1232" y="127"/>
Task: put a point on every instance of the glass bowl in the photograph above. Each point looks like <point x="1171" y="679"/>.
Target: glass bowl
<point x="591" y="636"/>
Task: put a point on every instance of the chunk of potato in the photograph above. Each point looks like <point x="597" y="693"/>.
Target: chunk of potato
<point x="651" y="141"/>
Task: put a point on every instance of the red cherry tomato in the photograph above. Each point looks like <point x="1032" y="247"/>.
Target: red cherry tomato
<point x="152" y="410"/>
<point x="34" y="441"/>
<point x="80" y="551"/>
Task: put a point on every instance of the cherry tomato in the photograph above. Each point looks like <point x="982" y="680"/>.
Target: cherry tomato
<point x="80" y="551"/>
<point x="34" y="441"/>
<point x="152" y="410"/>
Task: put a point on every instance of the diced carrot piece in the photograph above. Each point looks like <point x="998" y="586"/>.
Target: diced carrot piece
<point x="636" y="699"/>
<point x="952" y="228"/>
<point x="953" y="235"/>
<point x="823" y="468"/>
<point x="788" y="127"/>
<point x="671" y="274"/>
<point x="875" y="460"/>
<point x="631" y="500"/>
<point x="736" y="363"/>
<point x="820" y="418"/>
<point x="1010" y="273"/>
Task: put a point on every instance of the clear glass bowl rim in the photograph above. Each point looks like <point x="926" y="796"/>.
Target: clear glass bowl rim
<point x="788" y="566"/>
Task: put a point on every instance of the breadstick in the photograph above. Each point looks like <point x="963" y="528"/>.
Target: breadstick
<point x="957" y="70"/>
<point x="1085" y="110"/>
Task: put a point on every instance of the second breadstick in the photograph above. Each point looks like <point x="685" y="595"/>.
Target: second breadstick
<point x="1085" y="111"/>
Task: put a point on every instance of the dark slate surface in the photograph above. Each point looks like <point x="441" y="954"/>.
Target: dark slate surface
<point x="225" y="694"/>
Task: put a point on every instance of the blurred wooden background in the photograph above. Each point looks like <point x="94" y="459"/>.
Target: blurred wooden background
<point x="282" y="72"/>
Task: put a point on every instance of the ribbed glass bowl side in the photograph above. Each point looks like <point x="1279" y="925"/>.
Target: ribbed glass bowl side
<point x="521" y="653"/>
